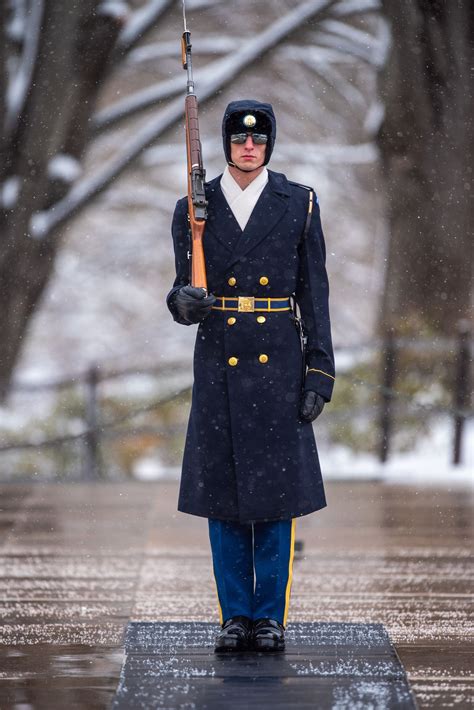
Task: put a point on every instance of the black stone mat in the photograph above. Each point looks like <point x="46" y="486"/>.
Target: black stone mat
<point x="337" y="666"/>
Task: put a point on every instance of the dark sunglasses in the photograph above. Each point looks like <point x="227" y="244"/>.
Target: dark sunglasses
<point x="258" y="138"/>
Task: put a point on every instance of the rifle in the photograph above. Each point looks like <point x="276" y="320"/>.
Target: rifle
<point x="197" y="203"/>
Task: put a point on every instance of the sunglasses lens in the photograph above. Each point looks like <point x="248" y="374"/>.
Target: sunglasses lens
<point x="258" y="138"/>
<point x="238" y="138"/>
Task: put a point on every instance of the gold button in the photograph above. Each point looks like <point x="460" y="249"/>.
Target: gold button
<point x="232" y="281"/>
<point x="261" y="319"/>
<point x="263" y="358"/>
<point x="233" y="361"/>
<point x="263" y="280"/>
<point x="231" y="320"/>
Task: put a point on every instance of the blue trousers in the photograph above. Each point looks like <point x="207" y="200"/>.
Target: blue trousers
<point x="253" y="567"/>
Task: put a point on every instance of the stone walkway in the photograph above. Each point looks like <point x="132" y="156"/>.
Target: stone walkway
<point x="78" y="561"/>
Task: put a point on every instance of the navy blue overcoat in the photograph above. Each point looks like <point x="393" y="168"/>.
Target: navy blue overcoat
<point x="248" y="457"/>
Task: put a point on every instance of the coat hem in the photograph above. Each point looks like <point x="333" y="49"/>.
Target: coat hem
<point x="266" y="519"/>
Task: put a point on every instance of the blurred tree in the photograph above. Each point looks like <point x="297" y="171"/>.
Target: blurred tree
<point x="55" y="58"/>
<point x="426" y="142"/>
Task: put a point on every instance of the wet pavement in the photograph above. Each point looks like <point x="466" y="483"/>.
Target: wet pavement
<point x="79" y="561"/>
<point x="325" y="665"/>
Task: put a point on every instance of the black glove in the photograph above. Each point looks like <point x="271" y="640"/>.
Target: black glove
<point x="192" y="304"/>
<point x="311" y="406"/>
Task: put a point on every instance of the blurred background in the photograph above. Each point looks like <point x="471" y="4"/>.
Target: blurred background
<point x="374" y="110"/>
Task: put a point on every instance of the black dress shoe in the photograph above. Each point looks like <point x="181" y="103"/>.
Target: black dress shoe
<point x="268" y="635"/>
<point x="236" y="635"/>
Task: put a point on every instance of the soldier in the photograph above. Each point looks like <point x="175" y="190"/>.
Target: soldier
<point x="250" y="462"/>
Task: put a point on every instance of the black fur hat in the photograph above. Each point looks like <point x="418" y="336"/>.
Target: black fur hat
<point x="249" y="115"/>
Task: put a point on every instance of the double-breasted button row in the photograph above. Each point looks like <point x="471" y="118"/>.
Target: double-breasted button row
<point x="262" y="358"/>
<point x="232" y="320"/>
<point x="263" y="281"/>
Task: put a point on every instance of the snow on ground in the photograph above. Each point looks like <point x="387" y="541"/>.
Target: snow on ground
<point x="428" y="464"/>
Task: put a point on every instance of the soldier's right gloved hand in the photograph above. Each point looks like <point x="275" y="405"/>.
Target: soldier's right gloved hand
<point x="192" y="304"/>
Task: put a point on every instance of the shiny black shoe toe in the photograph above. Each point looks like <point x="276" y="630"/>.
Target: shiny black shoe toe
<point x="268" y="635"/>
<point x="236" y="635"/>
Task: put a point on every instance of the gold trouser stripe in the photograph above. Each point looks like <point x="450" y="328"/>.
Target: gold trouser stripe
<point x="312" y="369"/>
<point x="221" y="619"/>
<point x="290" y="571"/>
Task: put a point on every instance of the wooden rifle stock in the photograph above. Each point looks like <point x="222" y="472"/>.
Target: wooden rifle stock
<point x="197" y="203"/>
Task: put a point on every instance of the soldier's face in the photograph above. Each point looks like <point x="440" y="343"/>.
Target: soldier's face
<point x="249" y="155"/>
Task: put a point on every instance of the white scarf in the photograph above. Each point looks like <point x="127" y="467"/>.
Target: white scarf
<point x="242" y="202"/>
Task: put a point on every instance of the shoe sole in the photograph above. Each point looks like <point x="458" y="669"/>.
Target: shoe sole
<point x="268" y="646"/>
<point x="231" y="647"/>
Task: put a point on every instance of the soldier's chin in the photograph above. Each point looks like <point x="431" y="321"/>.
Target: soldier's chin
<point x="249" y="168"/>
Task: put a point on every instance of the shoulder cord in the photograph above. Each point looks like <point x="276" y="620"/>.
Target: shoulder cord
<point x="298" y="320"/>
<point x="308" y="216"/>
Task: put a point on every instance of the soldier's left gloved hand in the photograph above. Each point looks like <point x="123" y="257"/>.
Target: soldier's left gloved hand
<point x="311" y="406"/>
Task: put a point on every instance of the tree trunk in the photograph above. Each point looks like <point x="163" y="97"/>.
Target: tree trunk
<point x="54" y="120"/>
<point x="426" y="144"/>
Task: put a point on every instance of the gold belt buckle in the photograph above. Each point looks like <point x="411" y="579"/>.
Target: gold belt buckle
<point x="246" y="304"/>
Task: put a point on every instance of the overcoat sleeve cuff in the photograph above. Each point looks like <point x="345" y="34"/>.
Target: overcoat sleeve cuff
<point x="320" y="382"/>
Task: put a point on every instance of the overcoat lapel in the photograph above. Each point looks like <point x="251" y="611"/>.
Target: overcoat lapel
<point x="221" y="221"/>
<point x="267" y="213"/>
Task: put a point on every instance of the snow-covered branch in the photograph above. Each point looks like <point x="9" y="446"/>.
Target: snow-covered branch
<point x="217" y="73"/>
<point x="323" y="64"/>
<point x="359" y="50"/>
<point x="315" y="55"/>
<point x="139" y="101"/>
<point x="202" y="45"/>
<point x="345" y="37"/>
<point x="212" y="79"/>
<point x="355" y="7"/>
<point x="20" y="80"/>
<point x="140" y="22"/>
